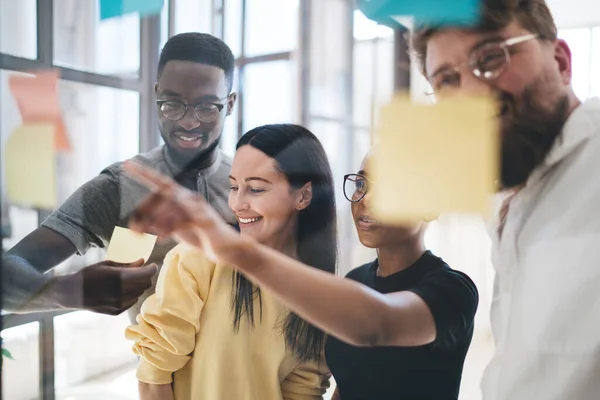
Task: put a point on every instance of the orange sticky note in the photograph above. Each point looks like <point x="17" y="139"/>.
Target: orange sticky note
<point x="37" y="99"/>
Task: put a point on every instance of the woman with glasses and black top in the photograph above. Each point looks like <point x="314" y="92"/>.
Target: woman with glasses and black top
<point x="399" y="327"/>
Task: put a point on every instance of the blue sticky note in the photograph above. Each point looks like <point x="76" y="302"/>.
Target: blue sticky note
<point x="116" y="8"/>
<point x="435" y="12"/>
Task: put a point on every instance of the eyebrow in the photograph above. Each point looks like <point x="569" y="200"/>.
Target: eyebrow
<point x="206" y="98"/>
<point x="252" y="178"/>
<point x="487" y="40"/>
<point x="362" y="172"/>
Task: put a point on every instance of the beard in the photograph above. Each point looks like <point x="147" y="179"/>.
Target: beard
<point x="528" y="133"/>
<point x="187" y="161"/>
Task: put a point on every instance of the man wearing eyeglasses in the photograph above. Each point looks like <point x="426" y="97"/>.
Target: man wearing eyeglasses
<point x="546" y="304"/>
<point x="193" y="92"/>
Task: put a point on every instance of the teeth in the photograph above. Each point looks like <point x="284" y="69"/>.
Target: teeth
<point x="248" y="220"/>
<point x="372" y="221"/>
<point x="188" y="138"/>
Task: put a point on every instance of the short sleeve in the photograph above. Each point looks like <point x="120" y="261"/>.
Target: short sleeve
<point x="308" y="381"/>
<point x="452" y="298"/>
<point x="90" y="214"/>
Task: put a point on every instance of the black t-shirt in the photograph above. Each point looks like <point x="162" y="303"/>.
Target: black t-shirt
<point x="432" y="371"/>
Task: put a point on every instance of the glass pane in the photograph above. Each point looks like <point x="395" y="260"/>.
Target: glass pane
<point x="16" y="221"/>
<point x="330" y="59"/>
<point x="93" y="358"/>
<point x="579" y="40"/>
<point x="82" y="41"/>
<point x="269" y="93"/>
<point x="164" y="24"/>
<point x="193" y="16"/>
<point x="18" y="28"/>
<point x="364" y="67"/>
<point x="366" y="29"/>
<point x="263" y="19"/>
<point x="21" y="376"/>
<point x="229" y="137"/>
<point x="233" y="26"/>
<point x="595" y="77"/>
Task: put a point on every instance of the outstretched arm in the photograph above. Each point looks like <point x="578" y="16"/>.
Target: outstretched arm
<point x="341" y="307"/>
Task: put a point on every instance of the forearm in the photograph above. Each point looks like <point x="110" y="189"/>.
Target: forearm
<point x="25" y="289"/>
<point x="341" y="307"/>
<point x="155" y="392"/>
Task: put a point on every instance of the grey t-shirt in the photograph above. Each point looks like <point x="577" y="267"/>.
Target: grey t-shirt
<point x="90" y="215"/>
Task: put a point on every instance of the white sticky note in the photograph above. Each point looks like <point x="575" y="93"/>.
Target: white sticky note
<point x="432" y="159"/>
<point x="127" y="246"/>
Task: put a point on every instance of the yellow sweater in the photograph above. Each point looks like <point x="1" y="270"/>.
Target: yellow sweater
<point x="185" y="335"/>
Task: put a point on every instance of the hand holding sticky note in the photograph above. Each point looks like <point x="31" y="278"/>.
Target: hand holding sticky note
<point x="435" y="159"/>
<point x="127" y="246"/>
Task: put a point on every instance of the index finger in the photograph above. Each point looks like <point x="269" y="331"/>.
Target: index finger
<point x="153" y="180"/>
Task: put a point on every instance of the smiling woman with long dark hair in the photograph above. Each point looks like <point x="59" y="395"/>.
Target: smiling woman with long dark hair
<point x="208" y="332"/>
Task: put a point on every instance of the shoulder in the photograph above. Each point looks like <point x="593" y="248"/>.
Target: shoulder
<point x="189" y="257"/>
<point x="444" y="284"/>
<point x="361" y="274"/>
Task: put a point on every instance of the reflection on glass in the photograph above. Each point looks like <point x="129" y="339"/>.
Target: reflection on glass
<point x="579" y="41"/>
<point x="92" y="357"/>
<point x="18" y="29"/>
<point x="21" y="376"/>
<point x="271" y="26"/>
<point x="103" y="126"/>
<point x="82" y="41"/>
<point x="269" y="93"/>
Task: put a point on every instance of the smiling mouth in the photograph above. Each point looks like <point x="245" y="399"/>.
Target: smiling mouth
<point x="368" y="220"/>
<point x="246" y="221"/>
<point x="188" y="139"/>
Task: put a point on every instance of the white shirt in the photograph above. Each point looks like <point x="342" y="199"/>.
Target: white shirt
<point x="546" y="307"/>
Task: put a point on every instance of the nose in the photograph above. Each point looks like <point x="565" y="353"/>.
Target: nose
<point x="189" y="120"/>
<point x="471" y="85"/>
<point x="237" y="201"/>
<point x="366" y="200"/>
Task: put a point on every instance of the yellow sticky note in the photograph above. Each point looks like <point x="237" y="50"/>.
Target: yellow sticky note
<point x="437" y="158"/>
<point x="127" y="246"/>
<point x="30" y="166"/>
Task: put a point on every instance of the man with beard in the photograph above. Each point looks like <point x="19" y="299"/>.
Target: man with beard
<point x="193" y="97"/>
<point x="546" y="307"/>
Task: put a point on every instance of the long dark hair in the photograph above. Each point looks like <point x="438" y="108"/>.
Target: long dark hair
<point x="301" y="158"/>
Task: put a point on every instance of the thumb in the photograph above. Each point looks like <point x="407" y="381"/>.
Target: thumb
<point x="137" y="263"/>
<point x="141" y="273"/>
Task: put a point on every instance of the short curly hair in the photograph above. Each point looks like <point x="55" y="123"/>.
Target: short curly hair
<point x="533" y="15"/>
<point x="200" y="48"/>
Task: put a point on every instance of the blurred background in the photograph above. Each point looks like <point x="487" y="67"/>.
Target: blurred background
<point x="320" y="63"/>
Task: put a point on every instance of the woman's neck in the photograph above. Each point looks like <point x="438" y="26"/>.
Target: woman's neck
<point x="398" y="257"/>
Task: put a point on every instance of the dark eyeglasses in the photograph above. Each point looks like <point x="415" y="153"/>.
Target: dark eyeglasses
<point x="175" y="110"/>
<point x="486" y="62"/>
<point x="356" y="187"/>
